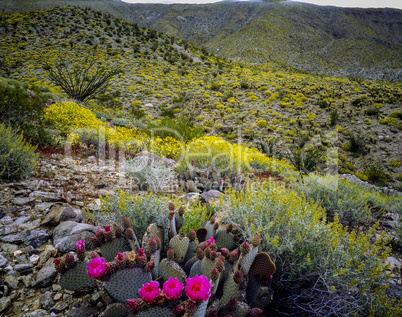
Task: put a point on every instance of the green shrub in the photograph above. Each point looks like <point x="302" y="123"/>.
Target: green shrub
<point x="18" y="159"/>
<point x="374" y="170"/>
<point x="305" y="161"/>
<point x="334" y="115"/>
<point x="262" y="123"/>
<point x="145" y="209"/>
<point x="321" y="267"/>
<point x="357" y="143"/>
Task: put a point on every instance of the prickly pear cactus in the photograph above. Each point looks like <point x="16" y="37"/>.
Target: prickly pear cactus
<point x="115" y="310"/>
<point x="179" y="243"/>
<point x="124" y="283"/>
<point x="77" y="279"/>
<point x="157" y="312"/>
<point x="169" y="268"/>
<point x="257" y="294"/>
<point x="109" y="250"/>
<point x="224" y="239"/>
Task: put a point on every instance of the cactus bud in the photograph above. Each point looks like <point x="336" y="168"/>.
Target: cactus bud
<point x="69" y="258"/>
<point x="178" y="311"/>
<point x="214" y="274"/>
<point x="229" y="227"/>
<point x="59" y="266"/>
<point x="225" y="252"/>
<point x="120" y="260"/>
<point x="219" y="264"/>
<point x="213" y="246"/>
<point x="212" y="220"/>
<point x="213" y="255"/>
<point x="171" y="214"/>
<point x="99" y="236"/>
<point x="153" y="246"/>
<point x="108" y="234"/>
<point x="192" y="235"/>
<point x="131" y="259"/>
<point x="245" y="248"/>
<point x="256" y="241"/>
<point x="171" y="206"/>
<point x="207" y="252"/>
<point x="130" y="233"/>
<point x="256" y="312"/>
<point x="94" y="255"/>
<point x="238" y="277"/>
<point x="235" y="237"/>
<point x="132" y="306"/>
<point x="158" y="242"/>
<point x="190" y="305"/>
<point x="232" y="304"/>
<point x="216" y="226"/>
<point x="150" y="266"/>
<point x="200" y="254"/>
<point x="108" y="267"/>
<point x="94" y="242"/>
<point x="181" y="210"/>
<point x="213" y="313"/>
<point x="117" y="232"/>
<point x="126" y="222"/>
<point x="234" y="256"/>
<point x="141" y="258"/>
<point x="170" y="254"/>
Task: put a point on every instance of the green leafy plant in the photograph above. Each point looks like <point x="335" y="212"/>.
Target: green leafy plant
<point x="18" y="159"/>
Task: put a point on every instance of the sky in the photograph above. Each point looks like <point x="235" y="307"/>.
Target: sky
<point x="339" y="3"/>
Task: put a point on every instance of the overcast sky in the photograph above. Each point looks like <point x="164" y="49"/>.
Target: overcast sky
<point x="339" y="3"/>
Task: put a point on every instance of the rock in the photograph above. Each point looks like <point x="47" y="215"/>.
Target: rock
<point x="46" y="275"/>
<point x="36" y="313"/>
<point x="24" y="201"/>
<point x="44" y="206"/>
<point x="53" y="218"/>
<point x="15" y="238"/>
<point x="84" y="312"/>
<point x="395" y="265"/>
<point x="59" y="307"/>
<point x="47" y="300"/>
<point x="27" y="280"/>
<point x="149" y="105"/>
<point x="3" y="261"/>
<point x="23" y="267"/>
<point x="68" y="213"/>
<point x="4" y="303"/>
<point x="45" y="196"/>
<point x="66" y="235"/>
<point x="155" y="158"/>
<point x="208" y="196"/>
<point x="11" y="281"/>
<point x="37" y="238"/>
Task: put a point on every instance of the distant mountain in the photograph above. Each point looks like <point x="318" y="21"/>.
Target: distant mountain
<point x="331" y="41"/>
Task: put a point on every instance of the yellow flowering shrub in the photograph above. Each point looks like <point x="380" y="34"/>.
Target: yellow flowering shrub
<point x="68" y="116"/>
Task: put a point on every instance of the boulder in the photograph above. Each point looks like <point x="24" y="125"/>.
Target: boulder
<point x="66" y="235"/>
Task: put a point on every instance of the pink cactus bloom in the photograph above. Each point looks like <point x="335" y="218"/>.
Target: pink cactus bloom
<point x="80" y="246"/>
<point x="96" y="268"/>
<point x="198" y="288"/>
<point x="150" y="291"/>
<point x="172" y="288"/>
<point x="209" y="241"/>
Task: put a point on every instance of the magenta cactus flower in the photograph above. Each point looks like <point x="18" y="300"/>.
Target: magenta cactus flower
<point x="80" y="246"/>
<point x="209" y="241"/>
<point x="96" y="268"/>
<point x="172" y="288"/>
<point x="198" y="288"/>
<point x="150" y="292"/>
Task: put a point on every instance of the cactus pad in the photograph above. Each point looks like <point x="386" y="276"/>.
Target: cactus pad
<point x="224" y="239"/>
<point x="153" y="230"/>
<point x="262" y="265"/>
<point x="115" y="310"/>
<point x="109" y="250"/>
<point x="206" y="266"/>
<point x="124" y="284"/>
<point x="196" y="269"/>
<point x="258" y="295"/>
<point x="77" y="279"/>
<point x="242" y="310"/>
<point x="201" y="234"/>
<point x="168" y="268"/>
<point x="189" y="264"/>
<point x="191" y="251"/>
<point x="231" y="290"/>
<point x="156" y="312"/>
<point x="179" y="243"/>
<point x="248" y="259"/>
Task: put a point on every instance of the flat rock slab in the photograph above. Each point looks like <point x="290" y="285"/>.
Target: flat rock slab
<point x="66" y="235"/>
